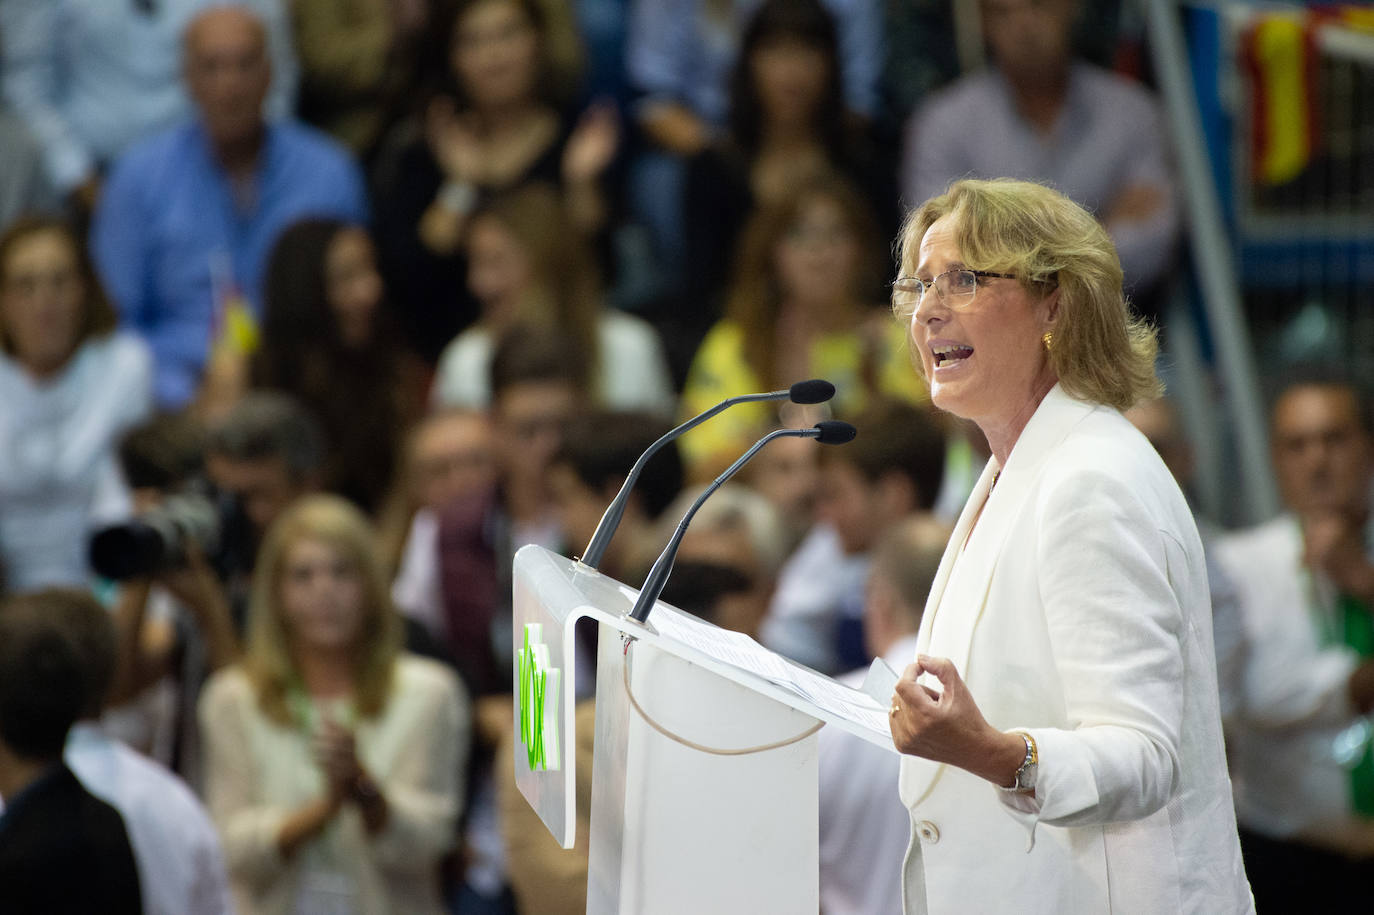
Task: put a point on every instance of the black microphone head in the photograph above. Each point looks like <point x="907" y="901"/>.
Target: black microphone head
<point x="835" y="432"/>
<point x="816" y="390"/>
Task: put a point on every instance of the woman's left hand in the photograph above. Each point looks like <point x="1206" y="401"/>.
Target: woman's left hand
<point x="947" y="726"/>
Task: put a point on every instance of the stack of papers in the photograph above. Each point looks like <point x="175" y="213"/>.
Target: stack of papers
<point x="743" y="652"/>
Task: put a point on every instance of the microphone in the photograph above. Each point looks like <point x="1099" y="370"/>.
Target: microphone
<point x="830" y="432"/>
<point x="812" y="391"/>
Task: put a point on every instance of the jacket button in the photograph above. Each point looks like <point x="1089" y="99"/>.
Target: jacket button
<point x="928" y="831"/>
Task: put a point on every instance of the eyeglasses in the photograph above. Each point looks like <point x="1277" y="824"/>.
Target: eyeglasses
<point x="955" y="288"/>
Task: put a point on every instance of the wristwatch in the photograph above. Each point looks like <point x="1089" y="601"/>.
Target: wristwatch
<point x="1024" y="783"/>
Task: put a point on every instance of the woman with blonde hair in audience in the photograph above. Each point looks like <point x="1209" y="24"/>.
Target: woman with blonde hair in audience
<point x="801" y="306"/>
<point x="69" y="387"/>
<point x="333" y="761"/>
<point x="526" y="265"/>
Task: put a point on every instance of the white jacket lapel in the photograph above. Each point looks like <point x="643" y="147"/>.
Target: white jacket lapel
<point x="959" y="594"/>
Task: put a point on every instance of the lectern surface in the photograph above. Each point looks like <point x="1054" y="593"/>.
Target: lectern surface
<point x="552" y="592"/>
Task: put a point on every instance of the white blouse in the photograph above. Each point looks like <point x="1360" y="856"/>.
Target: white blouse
<point x="257" y="772"/>
<point x="631" y="373"/>
<point x="59" y="476"/>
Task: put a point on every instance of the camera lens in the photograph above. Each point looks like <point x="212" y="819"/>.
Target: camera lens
<point x="127" y="550"/>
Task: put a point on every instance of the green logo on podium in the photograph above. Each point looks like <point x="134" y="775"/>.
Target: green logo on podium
<point x="538" y="698"/>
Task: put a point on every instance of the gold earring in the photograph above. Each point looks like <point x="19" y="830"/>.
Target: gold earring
<point x="1049" y="340"/>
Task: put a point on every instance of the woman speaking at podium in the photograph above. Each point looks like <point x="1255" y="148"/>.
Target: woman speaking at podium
<point x="1060" y="730"/>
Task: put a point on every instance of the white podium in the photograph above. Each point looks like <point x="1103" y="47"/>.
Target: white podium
<point x="704" y="774"/>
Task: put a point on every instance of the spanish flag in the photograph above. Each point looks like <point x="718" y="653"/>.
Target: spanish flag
<point x="1279" y="54"/>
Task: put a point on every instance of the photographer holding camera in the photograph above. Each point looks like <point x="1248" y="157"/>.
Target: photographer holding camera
<point x="204" y="500"/>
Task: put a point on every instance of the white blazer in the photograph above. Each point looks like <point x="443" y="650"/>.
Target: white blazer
<point x="1078" y="611"/>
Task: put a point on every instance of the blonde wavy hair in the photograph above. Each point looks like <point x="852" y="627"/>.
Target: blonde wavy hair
<point x="1101" y="352"/>
<point x="268" y="661"/>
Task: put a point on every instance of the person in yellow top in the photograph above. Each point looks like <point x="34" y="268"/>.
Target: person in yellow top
<point x="798" y="308"/>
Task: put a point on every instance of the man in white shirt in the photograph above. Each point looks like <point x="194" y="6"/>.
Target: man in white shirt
<point x="176" y="848"/>
<point x="864" y="826"/>
<point x="1300" y="742"/>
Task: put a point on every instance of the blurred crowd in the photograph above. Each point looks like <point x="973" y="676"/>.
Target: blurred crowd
<point x="312" y="312"/>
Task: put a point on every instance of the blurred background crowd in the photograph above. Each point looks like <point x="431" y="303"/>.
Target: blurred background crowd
<point x="312" y="312"/>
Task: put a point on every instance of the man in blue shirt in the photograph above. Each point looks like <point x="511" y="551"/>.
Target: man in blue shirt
<point x="187" y="218"/>
<point x="92" y="77"/>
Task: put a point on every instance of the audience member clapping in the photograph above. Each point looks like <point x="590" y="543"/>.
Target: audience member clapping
<point x="334" y="762"/>
<point x="328" y="341"/>
<point x="93" y="79"/>
<point x="787" y="126"/>
<point x="527" y="265"/>
<point x="497" y="126"/>
<point x="187" y="218"/>
<point x="69" y="386"/>
<point x="800" y="307"/>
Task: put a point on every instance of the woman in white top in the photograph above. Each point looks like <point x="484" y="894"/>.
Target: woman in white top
<point x="527" y="265"/>
<point x="69" y="387"/>
<point x="1060" y="728"/>
<point x="334" y="763"/>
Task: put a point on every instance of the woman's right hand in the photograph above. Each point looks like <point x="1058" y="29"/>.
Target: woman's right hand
<point x="947" y="726"/>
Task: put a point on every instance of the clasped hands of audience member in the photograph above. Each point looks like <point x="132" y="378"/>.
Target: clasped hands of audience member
<point x="347" y="780"/>
<point x="473" y="157"/>
<point x="468" y="154"/>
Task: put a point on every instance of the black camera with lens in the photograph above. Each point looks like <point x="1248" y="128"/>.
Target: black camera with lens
<point x="198" y="516"/>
